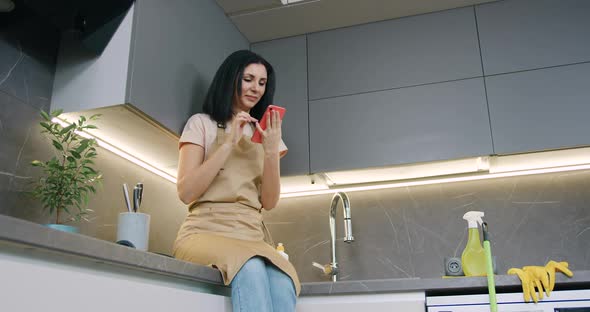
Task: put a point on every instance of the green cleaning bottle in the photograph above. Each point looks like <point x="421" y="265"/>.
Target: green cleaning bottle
<point x="473" y="258"/>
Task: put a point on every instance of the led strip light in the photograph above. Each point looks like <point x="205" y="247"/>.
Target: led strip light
<point x="119" y="152"/>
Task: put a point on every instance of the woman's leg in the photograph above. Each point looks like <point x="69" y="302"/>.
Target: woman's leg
<point x="250" y="291"/>
<point x="282" y="290"/>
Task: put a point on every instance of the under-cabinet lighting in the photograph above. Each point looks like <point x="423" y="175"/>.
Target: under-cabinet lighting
<point x="285" y="2"/>
<point x="406" y="172"/>
<point x="548" y="159"/>
<point x="306" y="183"/>
<point x="486" y="168"/>
<point x="119" y="152"/>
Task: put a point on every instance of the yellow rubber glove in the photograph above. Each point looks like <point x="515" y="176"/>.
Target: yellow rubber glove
<point x="552" y="267"/>
<point x="541" y="278"/>
<point x="526" y="282"/>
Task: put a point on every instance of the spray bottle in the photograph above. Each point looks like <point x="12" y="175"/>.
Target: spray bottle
<point x="473" y="258"/>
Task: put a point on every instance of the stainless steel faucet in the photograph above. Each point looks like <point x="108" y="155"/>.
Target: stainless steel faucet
<point x="332" y="268"/>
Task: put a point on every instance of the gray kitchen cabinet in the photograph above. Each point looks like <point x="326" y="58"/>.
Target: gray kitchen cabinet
<point x="528" y="34"/>
<point x="540" y="109"/>
<point x="406" y="301"/>
<point x="161" y="60"/>
<point x="289" y="59"/>
<point x="416" y="124"/>
<point x="409" y="51"/>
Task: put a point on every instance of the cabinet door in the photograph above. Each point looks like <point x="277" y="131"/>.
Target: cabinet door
<point x="425" y="123"/>
<point x="176" y="50"/>
<point x="289" y="59"/>
<point x="526" y="34"/>
<point x="540" y="109"/>
<point x="86" y="81"/>
<point x="407" y="302"/>
<point x="408" y="51"/>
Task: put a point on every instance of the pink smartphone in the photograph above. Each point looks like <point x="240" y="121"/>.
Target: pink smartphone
<point x="257" y="137"/>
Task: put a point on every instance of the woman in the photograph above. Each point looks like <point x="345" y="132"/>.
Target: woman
<point x="226" y="179"/>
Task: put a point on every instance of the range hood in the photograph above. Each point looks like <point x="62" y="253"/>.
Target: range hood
<point x="93" y="22"/>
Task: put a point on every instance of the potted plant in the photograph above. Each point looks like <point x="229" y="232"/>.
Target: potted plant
<point x="68" y="177"/>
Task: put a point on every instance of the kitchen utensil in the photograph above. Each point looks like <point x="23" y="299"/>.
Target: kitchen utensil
<point x="126" y="194"/>
<point x="135" y="199"/>
<point x="140" y="195"/>
<point x="489" y="268"/>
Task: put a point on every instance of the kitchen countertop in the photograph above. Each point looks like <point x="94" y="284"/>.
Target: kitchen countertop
<point x="31" y="235"/>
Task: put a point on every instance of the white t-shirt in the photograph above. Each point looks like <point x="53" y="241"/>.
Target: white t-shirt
<point x="201" y="130"/>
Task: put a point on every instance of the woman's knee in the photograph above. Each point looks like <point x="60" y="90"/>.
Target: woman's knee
<point x="250" y="288"/>
<point x="254" y="267"/>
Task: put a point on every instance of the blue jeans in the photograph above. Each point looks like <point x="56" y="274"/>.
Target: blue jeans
<point x="261" y="287"/>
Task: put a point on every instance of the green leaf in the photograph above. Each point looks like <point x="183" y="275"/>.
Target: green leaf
<point x="90" y="127"/>
<point x="75" y="154"/>
<point x="46" y="125"/>
<point x="95" y="116"/>
<point x="58" y="145"/>
<point x="45" y="115"/>
<point x="67" y="129"/>
<point x="82" y="147"/>
<point x="90" y="169"/>
<point x="87" y="161"/>
<point x="82" y="119"/>
<point x="56" y="113"/>
<point x="36" y="163"/>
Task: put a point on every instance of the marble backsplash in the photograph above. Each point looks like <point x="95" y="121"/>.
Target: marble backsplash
<point x="28" y="50"/>
<point x="407" y="232"/>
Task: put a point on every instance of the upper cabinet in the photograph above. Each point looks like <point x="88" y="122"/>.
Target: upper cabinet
<point x="526" y="34"/>
<point x="540" y="109"/>
<point x="536" y="61"/>
<point x="403" y="52"/>
<point x="161" y="60"/>
<point x="289" y="59"/>
<point x="418" y="124"/>
<point x="396" y="92"/>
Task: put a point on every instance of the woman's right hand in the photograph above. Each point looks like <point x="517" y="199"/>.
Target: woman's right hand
<point x="237" y="127"/>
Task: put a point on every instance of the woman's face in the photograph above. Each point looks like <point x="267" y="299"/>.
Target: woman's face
<point x="253" y="87"/>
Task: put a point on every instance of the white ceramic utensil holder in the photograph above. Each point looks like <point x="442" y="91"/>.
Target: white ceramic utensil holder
<point x="134" y="227"/>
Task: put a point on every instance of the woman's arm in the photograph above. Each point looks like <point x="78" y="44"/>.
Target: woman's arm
<point x="271" y="173"/>
<point x="194" y="174"/>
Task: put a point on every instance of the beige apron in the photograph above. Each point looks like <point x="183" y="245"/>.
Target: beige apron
<point x="224" y="227"/>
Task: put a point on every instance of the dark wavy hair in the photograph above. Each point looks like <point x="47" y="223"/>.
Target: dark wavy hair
<point x="218" y="102"/>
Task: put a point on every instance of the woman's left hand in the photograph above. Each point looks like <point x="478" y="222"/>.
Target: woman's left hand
<point x="271" y="137"/>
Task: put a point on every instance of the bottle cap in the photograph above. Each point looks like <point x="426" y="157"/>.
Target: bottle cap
<point x="473" y="218"/>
